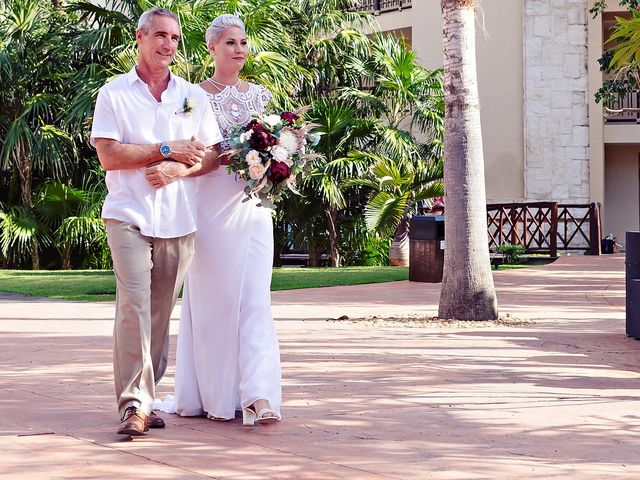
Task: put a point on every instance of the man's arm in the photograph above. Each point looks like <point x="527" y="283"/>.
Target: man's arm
<point x="165" y="172"/>
<point x="114" y="155"/>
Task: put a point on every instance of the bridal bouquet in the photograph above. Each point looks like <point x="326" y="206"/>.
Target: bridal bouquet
<point x="270" y="153"/>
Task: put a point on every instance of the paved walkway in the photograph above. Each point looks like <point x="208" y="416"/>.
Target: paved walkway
<point x="555" y="400"/>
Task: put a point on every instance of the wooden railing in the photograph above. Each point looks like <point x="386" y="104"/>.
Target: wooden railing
<point x="545" y="227"/>
<point x="625" y="110"/>
<point x="382" y="6"/>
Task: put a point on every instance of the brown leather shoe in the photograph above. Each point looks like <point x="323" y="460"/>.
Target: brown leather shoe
<point x="134" y="423"/>
<point x="154" y="421"/>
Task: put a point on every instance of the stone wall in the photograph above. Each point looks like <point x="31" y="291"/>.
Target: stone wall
<point x="556" y="136"/>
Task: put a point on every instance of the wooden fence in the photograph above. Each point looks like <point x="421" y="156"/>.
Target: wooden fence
<point x="545" y="227"/>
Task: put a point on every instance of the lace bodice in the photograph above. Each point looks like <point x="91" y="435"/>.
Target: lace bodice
<point x="232" y="107"/>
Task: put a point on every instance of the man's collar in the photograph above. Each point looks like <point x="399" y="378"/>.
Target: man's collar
<point x="133" y="76"/>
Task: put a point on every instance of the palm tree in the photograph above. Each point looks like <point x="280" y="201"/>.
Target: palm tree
<point x="19" y="232"/>
<point x="467" y="291"/>
<point x="407" y="103"/>
<point x="340" y="128"/>
<point x="109" y="45"/>
<point x="332" y="48"/>
<point x="34" y="72"/>
<point x="73" y="216"/>
<point x="397" y="187"/>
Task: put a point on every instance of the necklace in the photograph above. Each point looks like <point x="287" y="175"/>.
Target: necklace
<point x="223" y="86"/>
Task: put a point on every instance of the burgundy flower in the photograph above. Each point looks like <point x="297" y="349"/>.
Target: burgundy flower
<point x="254" y="125"/>
<point x="279" y="171"/>
<point x="289" y="117"/>
<point x="261" y="139"/>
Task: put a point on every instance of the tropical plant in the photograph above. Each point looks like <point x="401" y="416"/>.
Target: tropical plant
<point x="34" y="74"/>
<point x="467" y="291"/>
<point x="73" y="217"/>
<point x="620" y="60"/>
<point x="341" y="129"/>
<point x="110" y="48"/>
<point x="19" y="232"/>
<point x="361" y="246"/>
<point x="332" y="45"/>
<point x="406" y="102"/>
<point x="397" y="187"/>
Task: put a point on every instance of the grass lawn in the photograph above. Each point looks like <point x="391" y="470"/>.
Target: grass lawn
<point x="99" y="285"/>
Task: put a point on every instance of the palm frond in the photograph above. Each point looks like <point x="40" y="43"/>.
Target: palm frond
<point x="20" y="232"/>
<point x="384" y="212"/>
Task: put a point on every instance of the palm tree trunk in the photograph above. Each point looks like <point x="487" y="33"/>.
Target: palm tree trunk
<point x="332" y="216"/>
<point x="399" y="249"/>
<point x="313" y="251"/>
<point x="65" y="254"/>
<point x="468" y="292"/>
<point x="26" y="178"/>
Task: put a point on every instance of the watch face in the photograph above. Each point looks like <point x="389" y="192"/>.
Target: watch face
<point x="165" y="150"/>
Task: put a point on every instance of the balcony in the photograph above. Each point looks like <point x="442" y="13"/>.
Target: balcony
<point x="626" y="110"/>
<point x="382" y="6"/>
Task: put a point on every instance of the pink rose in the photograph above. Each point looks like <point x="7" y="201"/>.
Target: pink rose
<point x="253" y="157"/>
<point x="256" y="171"/>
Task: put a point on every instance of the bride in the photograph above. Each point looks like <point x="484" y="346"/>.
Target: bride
<point x="227" y="354"/>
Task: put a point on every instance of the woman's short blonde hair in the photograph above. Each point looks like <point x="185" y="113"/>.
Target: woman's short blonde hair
<point x="220" y="24"/>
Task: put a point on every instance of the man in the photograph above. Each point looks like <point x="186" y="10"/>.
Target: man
<point x="142" y="118"/>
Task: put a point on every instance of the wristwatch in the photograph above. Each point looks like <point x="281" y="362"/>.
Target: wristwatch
<point x="165" y="149"/>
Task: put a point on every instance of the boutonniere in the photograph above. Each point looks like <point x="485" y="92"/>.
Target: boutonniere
<point x="187" y="107"/>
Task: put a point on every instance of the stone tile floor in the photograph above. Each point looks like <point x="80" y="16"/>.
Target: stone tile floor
<point x="559" y="399"/>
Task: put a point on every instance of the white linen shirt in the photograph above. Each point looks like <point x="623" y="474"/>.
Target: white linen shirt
<point x="126" y="111"/>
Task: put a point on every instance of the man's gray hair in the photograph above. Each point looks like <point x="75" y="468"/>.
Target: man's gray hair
<point x="145" y="20"/>
<point x="220" y="24"/>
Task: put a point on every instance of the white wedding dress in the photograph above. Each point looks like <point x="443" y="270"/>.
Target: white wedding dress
<point x="228" y="355"/>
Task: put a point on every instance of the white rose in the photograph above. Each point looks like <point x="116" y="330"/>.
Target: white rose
<point x="256" y="171"/>
<point x="279" y="153"/>
<point x="245" y="136"/>
<point x="252" y="157"/>
<point x="272" y="120"/>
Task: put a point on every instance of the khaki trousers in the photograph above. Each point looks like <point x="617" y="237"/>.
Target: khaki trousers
<point x="149" y="273"/>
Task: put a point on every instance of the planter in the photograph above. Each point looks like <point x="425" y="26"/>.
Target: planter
<point x="399" y="253"/>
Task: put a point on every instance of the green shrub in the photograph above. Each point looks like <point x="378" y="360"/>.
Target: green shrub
<point x="512" y="253"/>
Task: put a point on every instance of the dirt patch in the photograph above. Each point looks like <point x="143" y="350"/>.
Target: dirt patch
<point x="417" y="321"/>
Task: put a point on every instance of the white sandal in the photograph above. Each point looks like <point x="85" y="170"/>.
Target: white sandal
<point x="218" y="419"/>
<point x="264" y="416"/>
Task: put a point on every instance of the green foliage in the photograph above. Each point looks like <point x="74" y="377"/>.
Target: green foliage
<point x="367" y="94"/>
<point x="34" y="70"/>
<point x="19" y="231"/>
<point x="600" y="6"/>
<point x="359" y="246"/>
<point x="512" y="253"/>
<point x="73" y="215"/>
<point x="620" y="61"/>
<point x="401" y="170"/>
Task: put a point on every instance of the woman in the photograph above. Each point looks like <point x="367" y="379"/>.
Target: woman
<point x="227" y="354"/>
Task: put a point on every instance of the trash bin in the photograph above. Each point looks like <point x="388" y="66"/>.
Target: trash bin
<point x="633" y="283"/>
<point x="608" y="244"/>
<point x="426" y="248"/>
